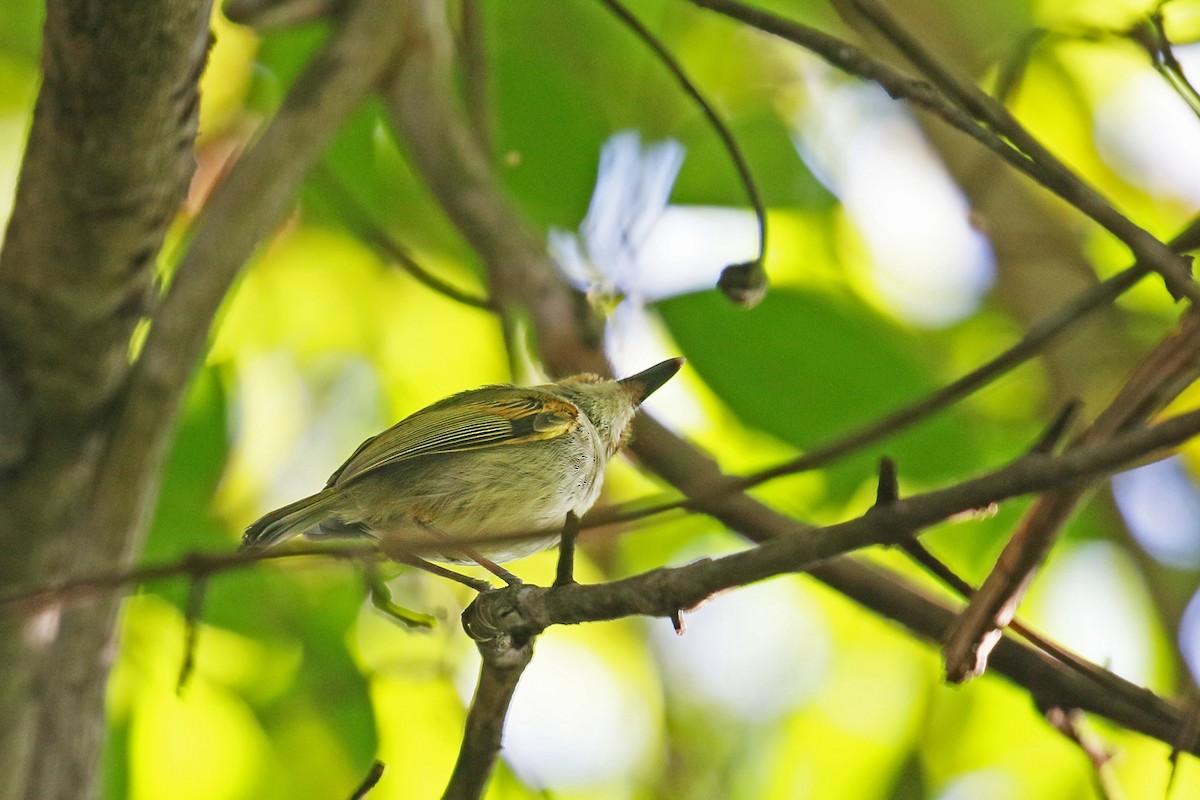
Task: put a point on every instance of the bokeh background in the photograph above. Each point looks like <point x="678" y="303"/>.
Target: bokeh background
<point x="884" y="287"/>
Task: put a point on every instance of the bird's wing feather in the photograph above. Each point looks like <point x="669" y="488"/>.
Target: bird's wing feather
<point x="464" y="423"/>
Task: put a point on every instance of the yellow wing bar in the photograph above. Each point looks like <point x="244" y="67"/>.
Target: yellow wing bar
<point x="474" y="420"/>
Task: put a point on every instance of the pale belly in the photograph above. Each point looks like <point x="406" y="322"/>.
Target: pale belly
<point x="483" y="495"/>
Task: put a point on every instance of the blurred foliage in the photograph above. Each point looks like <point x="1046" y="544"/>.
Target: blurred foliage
<point x="299" y="684"/>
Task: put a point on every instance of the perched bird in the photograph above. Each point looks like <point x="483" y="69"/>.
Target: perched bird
<point x="489" y="462"/>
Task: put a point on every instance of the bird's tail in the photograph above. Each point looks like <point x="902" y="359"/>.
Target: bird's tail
<point x="291" y="520"/>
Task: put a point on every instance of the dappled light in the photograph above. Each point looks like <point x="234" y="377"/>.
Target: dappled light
<point x="926" y="262"/>
<point x="868" y="481"/>
<point x="1161" y="506"/>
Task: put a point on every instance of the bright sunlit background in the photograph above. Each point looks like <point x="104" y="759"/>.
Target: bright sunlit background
<point x="884" y="286"/>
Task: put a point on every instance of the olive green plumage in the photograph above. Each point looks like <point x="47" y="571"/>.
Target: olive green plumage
<point x="483" y="463"/>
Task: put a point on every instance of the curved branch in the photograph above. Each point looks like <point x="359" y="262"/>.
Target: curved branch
<point x="358" y="219"/>
<point x="1028" y="155"/>
<point x="443" y="148"/>
<point x="505" y="657"/>
<point x="746" y="283"/>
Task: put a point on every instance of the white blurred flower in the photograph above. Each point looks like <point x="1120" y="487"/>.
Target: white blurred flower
<point x="635" y="247"/>
<point x="633" y="186"/>
<point x="757" y="653"/>
<point x="575" y="721"/>
<point x="927" y="262"/>
<point x="1146" y="133"/>
<point x="1161" y="506"/>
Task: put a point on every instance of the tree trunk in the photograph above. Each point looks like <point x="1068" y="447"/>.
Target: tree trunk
<point x="107" y="164"/>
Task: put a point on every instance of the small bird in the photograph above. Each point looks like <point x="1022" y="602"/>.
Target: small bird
<point x="489" y="462"/>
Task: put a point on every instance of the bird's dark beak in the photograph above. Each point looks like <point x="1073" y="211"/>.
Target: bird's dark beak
<point x="643" y="384"/>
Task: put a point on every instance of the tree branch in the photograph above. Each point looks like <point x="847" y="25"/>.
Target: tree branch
<point x="368" y="783"/>
<point x="31" y="599"/>
<point x="525" y="282"/>
<point x="1055" y="175"/>
<point x="108" y="160"/>
<point x="505" y="656"/>
<point x="1163" y="374"/>
<point x="1028" y="155"/>
<point x="473" y="47"/>
<point x="358" y="219"/>
<point x="505" y="621"/>
<point x="86" y="499"/>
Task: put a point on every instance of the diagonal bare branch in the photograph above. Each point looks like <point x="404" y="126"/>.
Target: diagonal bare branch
<point x="1163" y="374"/>
<point x="1054" y="174"/>
<point x="977" y="115"/>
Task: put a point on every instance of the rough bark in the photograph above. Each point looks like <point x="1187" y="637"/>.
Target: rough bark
<point x="108" y="161"/>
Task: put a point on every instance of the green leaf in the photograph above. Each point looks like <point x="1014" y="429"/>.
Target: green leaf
<point x="183" y="520"/>
<point x="809" y="367"/>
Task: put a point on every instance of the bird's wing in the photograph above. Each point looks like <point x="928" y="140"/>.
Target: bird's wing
<point x="463" y="422"/>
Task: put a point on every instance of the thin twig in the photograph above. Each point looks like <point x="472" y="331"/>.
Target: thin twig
<point x="916" y="550"/>
<point x="1058" y="427"/>
<point x="1185" y="739"/>
<point x="714" y="119"/>
<point x="1012" y="69"/>
<point x="30" y="599"/>
<point x="1028" y="156"/>
<point x="853" y="60"/>
<point x="1151" y="34"/>
<point x="1073" y="725"/>
<point x="373" y="776"/>
<point x="887" y="490"/>
<point x="192" y="612"/>
<point x="356" y="217"/>
<point x="1050" y="171"/>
